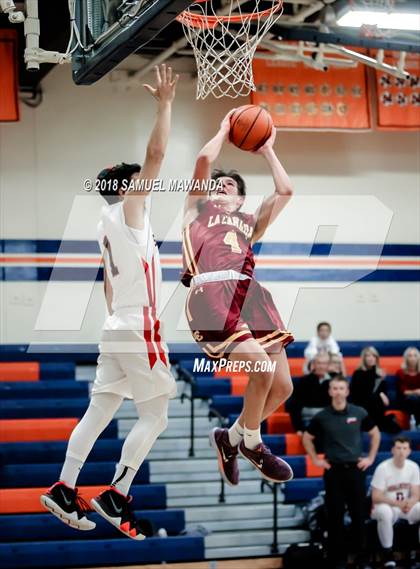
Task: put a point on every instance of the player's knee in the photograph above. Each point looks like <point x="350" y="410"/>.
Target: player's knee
<point x="286" y="388"/>
<point x="414" y="514"/>
<point x="383" y="512"/>
<point x="281" y="390"/>
<point x="158" y="423"/>
<point x="262" y="379"/>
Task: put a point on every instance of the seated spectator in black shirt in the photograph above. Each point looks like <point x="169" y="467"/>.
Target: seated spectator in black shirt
<point x="310" y="394"/>
<point x="368" y="389"/>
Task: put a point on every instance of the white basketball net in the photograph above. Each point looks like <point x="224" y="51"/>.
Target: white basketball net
<point x="224" y="45"/>
<point x="381" y="5"/>
<point x="372" y="30"/>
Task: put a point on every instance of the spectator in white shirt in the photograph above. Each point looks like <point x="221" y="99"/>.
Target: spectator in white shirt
<point x="322" y="342"/>
<point x="395" y="494"/>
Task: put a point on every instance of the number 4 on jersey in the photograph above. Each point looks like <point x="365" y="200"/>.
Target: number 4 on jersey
<point x="232" y="239"/>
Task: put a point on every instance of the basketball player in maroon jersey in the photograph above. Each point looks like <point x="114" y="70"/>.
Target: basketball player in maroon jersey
<point x="230" y="314"/>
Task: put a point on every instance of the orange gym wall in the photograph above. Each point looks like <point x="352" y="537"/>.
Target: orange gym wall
<point x="9" y="106"/>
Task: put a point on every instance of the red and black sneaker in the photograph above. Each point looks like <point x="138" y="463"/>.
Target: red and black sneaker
<point x="65" y="503"/>
<point x="116" y="509"/>
<point x="270" y="467"/>
<point x="227" y="455"/>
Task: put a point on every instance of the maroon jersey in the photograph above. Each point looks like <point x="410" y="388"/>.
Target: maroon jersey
<point x="218" y="241"/>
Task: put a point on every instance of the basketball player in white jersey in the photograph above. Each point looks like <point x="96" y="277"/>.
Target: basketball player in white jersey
<point x="133" y="361"/>
<point x="395" y="494"/>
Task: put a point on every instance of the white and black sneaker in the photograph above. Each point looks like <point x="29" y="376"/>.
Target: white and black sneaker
<point x="389" y="561"/>
<point x="65" y="503"/>
<point x="116" y="509"/>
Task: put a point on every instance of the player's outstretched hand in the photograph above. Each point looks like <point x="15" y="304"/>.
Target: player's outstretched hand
<point x="225" y="124"/>
<point x="268" y="144"/>
<point x="165" y="88"/>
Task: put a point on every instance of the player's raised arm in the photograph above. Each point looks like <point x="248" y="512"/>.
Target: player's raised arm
<point x="273" y="205"/>
<point x="203" y="164"/>
<point x="164" y="93"/>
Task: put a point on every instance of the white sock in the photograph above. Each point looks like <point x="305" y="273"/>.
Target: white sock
<point x="123" y="478"/>
<point x="252" y="437"/>
<point x="70" y="471"/>
<point x="236" y="433"/>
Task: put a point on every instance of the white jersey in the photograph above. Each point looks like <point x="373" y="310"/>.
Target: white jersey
<point x="134" y="359"/>
<point x="132" y="264"/>
<point x="396" y="482"/>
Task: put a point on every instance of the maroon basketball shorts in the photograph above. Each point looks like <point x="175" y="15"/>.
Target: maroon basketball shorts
<point x="222" y="314"/>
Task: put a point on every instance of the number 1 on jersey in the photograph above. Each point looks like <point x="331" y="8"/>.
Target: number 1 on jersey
<point x="232" y="239"/>
<point x="114" y="269"/>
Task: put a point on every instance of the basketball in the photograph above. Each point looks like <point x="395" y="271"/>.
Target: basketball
<point x="250" y="127"/>
<point x="140" y="410"/>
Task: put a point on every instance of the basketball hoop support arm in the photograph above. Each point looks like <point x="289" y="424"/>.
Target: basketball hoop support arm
<point x="369" y="61"/>
<point x="9" y="8"/>
<point x="34" y="55"/>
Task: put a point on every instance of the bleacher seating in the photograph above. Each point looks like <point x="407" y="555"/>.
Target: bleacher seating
<point x="41" y="403"/>
<point x="82" y="553"/>
<point x="226" y="398"/>
<point x="35" y="371"/>
<point x="303" y="489"/>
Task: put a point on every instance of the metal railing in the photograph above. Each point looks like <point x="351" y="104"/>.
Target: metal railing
<point x="188" y="378"/>
<point x="273" y="488"/>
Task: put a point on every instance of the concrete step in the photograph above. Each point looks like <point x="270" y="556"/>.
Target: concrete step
<point x="238" y="512"/>
<point x="201" y="465"/>
<point x="176" y="409"/>
<point x="178" y="454"/>
<point x="246" y="489"/>
<point x="200" y="476"/>
<point x="238" y="552"/>
<point x="201" y="501"/>
<point x="182" y="444"/>
<point x="178" y="449"/>
<point x="195" y="470"/>
<point x="248" y="524"/>
<point x="255" y="538"/>
<point x="178" y="427"/>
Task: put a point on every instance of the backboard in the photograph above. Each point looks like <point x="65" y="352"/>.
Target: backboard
<point x="110" y="30"/>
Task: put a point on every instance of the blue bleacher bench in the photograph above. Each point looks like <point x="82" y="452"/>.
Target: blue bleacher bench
<point x="37" y="475"/>
<point x="44" y="527"/>
<point x="85" y="553"/>
<point x="387" y="440"/>
<point x="227" y="404"/>
<point x="302" y="489"/>
<point x="148" y="496"/>
<point x="206" y="388"/>
<point x="39" y="408"/>
<point x="44" y="389"/>
<point x="55" y="451"/>
<point x="57" y="370"/>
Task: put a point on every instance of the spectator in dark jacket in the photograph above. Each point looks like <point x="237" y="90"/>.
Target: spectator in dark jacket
<point x="408" y="383"/>
<point x="310" y="394"/>
<point x="368" y="390"/>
